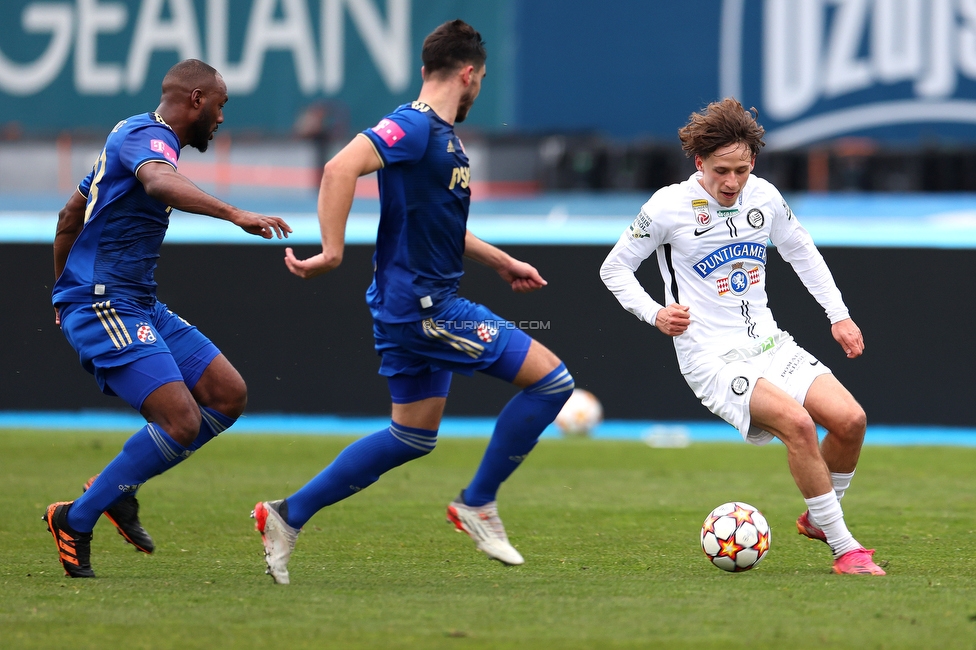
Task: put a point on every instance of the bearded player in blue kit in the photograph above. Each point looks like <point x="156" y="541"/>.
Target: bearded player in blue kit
<point x="105" y="250"/>
<point x="423" y="331"/>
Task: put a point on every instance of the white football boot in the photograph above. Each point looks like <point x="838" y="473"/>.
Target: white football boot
<point x="279" y="538"/>
<point x="485" y="528"/>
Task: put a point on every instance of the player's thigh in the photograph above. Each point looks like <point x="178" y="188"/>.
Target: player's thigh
<point x="776" y="411"/>
<point x="419" y="398"/>
<point x="539" y="362"/>
<point x="832" y="406"/>
<point x="221" y="387"/>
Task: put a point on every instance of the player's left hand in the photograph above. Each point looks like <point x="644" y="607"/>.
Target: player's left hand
<point x="261" y="225"/>
<point x="849" y="336"/>
<point x="523" y="277"/>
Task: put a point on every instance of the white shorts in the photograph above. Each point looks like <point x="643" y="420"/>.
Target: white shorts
<point x="725" y="387"/>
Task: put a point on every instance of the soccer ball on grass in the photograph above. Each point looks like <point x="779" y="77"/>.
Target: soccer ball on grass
<point x="581" y="413"/>
<point x="735" y="536"/>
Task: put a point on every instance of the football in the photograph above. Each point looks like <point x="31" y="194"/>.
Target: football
<point x="580" y="415"/>
<point x="735" y="537"/>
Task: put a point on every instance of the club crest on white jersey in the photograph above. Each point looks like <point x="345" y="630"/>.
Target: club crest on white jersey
<point x="702" y="216"/>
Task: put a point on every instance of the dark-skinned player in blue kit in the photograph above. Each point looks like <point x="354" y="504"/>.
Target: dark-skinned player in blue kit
<point x="105" y="250"/>
<point x="423" y="331"/>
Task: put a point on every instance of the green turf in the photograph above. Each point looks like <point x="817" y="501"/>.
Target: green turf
<point x="609" y="531"/>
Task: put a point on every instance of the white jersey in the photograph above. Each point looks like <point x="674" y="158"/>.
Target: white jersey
<point x="713" y="260"/>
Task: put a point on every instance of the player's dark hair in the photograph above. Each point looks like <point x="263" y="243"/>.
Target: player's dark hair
<point x="452" y="45"/>
<point x="720" y="124"/>
<point x="189" y="74"/>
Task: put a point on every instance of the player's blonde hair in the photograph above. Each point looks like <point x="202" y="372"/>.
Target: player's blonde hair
<point x="720" y="124"/>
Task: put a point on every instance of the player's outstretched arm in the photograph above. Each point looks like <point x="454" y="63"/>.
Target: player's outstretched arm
<point x="336" y="194"/>
<point x="849" y="336"/>
<point x="523" y="277"/>
<point x="167" y="185"/>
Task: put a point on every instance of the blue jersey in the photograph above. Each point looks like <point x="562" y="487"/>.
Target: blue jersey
<point x="115" y="254"/>
<point x="424" y="199"/>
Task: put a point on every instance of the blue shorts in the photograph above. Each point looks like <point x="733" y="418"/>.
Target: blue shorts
<point x="133" y="348"/>
<point x="465" y="338"/>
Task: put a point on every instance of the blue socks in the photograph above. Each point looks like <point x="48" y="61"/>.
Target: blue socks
<point x="149" y="452"/>
<point x="358" y="466"/>
<point x="517" y="430"/>
<point x="212" y="423"/>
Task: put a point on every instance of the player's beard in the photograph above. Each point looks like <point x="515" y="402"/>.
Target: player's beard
<point x="202" y="130"/>
<point x="463" y="107"/>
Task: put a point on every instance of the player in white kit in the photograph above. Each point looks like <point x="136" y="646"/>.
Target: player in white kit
<point x="710" y="234"/>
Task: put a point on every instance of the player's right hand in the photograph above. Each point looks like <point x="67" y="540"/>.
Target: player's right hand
<point x="261" y="225"/>
<point x="673" y="320"/>
<point x="305" y="269"/>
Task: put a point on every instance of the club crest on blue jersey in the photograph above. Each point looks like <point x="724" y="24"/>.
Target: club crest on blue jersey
<point x="746" y="251"/>
<point x="487" y="333"/>
<point x="738" y="281"/>
<point x="144" y="333"/>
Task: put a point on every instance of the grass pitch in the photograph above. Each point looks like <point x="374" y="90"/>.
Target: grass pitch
<point x="609" y="531"/>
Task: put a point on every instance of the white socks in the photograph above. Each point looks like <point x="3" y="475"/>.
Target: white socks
<point x="826" y="512"/>
<point x="841" y="483"/>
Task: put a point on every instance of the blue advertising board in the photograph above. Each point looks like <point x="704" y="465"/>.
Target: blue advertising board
<point x="898" y="71"/>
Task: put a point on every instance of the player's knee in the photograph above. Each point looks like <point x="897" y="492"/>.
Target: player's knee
<point x="230" y="398"/>
<point x="413" y="442"/>
<point x="854" y="424"/>
<point x="555" y="387"/>
<point x="802" y="431"/>
<point x="567" y="390"/>
<point x="236" y="400"/>
<point x="182" y="423"/>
